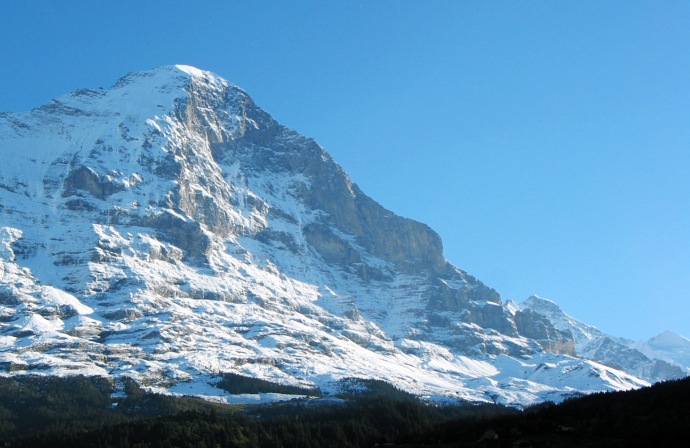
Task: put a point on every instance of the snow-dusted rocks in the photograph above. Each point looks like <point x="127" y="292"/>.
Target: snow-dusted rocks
<point x="668" y="346"/>
<point x="169" y="230"/>
<point x="589" y="342"/>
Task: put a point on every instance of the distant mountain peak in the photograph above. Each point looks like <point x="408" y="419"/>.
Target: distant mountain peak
<point x="539" y="303"/>
<point x="669" y="339"/>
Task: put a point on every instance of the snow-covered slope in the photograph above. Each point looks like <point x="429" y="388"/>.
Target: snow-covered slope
<point x="667" y="346"/>
<point x="169" y="230"/>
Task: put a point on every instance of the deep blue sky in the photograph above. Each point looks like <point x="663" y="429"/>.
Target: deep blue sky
<point x="547" y="142"/>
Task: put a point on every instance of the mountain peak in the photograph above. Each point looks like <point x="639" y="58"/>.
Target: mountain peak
<point x="195" y="74"/>
<point x="669" y="339"/>
<point x="541" y="304"/>
<point x="192" y="71"/>
<point x="164" y="83"/>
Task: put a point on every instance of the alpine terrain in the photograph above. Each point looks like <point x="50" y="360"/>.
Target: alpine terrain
<point x="168" y="230"/>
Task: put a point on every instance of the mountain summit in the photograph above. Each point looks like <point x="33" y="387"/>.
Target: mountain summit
<point x="169" y="230"/>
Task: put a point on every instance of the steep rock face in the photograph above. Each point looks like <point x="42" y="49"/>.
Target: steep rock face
<point x="536" y="326"/>
<point x="327" y="190"/>
<point x="168" y="229"/>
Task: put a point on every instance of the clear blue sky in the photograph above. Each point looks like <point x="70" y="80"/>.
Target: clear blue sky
<point x="547" y="142"/>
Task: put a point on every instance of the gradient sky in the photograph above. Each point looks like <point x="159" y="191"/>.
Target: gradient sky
<point x="547" y="142"/>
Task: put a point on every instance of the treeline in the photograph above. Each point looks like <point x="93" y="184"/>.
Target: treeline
<point x="32" y="405"/>
<point x="240" y="384"/>
<point x="81" y="412"/>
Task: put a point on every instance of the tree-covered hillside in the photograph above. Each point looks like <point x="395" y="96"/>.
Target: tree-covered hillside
<point x="92" y="412"/>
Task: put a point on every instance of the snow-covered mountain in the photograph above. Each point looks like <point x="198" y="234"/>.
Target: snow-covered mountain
<point x="667" y="346"/>
<point x="169" y="230"/>
<point x="647" y="361"/>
